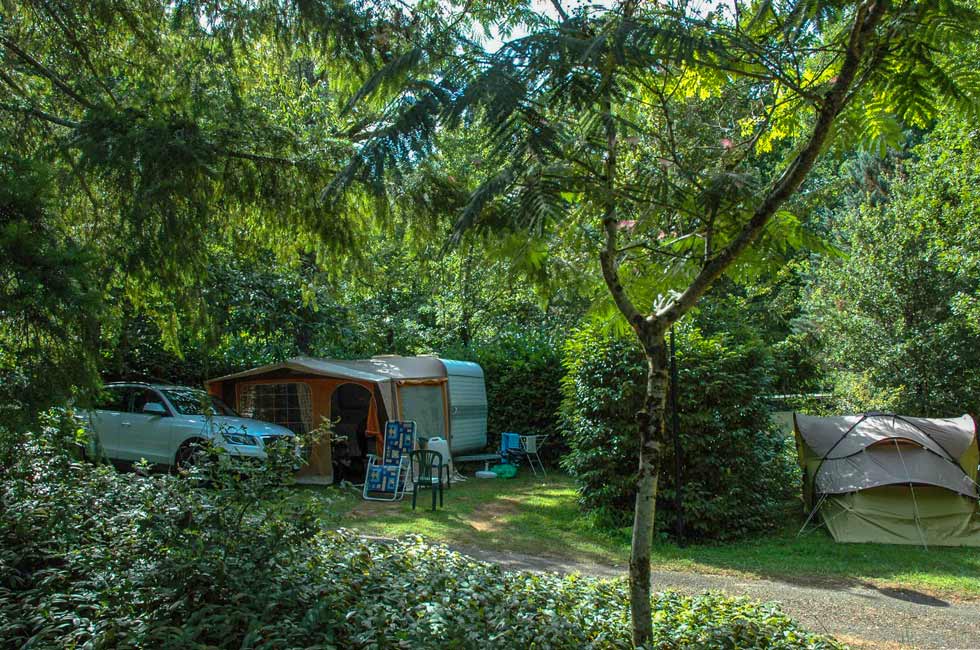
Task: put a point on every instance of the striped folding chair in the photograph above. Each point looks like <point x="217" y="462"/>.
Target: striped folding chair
<point x="386" y="476"/>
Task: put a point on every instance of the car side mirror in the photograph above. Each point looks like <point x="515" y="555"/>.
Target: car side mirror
<point x="154" y="408"/>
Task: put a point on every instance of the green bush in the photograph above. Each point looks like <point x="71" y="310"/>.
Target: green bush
<point x="523" y="372"/>
<point x="92" y="558"/>
<point x="737" y="471"/>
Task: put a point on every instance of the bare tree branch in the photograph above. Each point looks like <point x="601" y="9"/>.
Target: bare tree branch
<point x="39" y="114"/>
<point x="46" y="72"/>
<point x="561" y="11"/>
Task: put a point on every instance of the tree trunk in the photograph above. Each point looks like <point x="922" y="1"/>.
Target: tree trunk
<point x="464" y="282"/>
<point x="651" y="430"/>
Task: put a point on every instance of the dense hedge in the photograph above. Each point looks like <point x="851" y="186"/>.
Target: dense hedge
<point x="523" y="374"/>
<point x="737" y="471"/>
<point x="92" y="558"/>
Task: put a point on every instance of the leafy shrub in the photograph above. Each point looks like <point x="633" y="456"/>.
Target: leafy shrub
<point x="91" y="555"/>
<point x="412" y="595"/>
<point x="602" y="391"/>
<point x="737" y="471"/>
<point x="523" y="373"/>
<point x="92" y="558"/>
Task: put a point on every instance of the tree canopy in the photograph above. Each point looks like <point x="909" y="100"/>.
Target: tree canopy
<point x="666" y="139"/>
<point x="896" y="316"/>
<point x="265" y="176"/>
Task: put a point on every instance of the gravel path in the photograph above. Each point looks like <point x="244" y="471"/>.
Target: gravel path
<point x="859" y="614"/>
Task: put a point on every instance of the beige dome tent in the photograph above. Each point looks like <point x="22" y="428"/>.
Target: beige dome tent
<point x="891" y="479"/>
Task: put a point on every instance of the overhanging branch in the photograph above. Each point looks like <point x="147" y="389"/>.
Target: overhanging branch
<point x="46" y="72"/>
<point x="256" y="157"/>
<point x="39" y="114"/>
<point x="868" y="16"/>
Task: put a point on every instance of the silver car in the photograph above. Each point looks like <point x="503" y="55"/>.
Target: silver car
<point x="165" y="425"/>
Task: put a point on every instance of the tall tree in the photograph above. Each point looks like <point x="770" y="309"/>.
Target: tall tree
<point x="153" y="132"/>
<point x="897" y="316"/>
<point x="665" y="139"/>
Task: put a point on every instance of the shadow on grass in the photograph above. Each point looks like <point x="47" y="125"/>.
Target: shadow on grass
<point x="539" y="516"/>
<point x="903" y="572"/>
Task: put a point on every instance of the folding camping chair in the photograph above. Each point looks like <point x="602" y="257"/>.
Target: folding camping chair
<point x="510" y="448"/>
<point x="389" y="474"/>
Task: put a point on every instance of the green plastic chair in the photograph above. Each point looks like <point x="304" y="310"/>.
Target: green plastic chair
<point x="429" y="468"/>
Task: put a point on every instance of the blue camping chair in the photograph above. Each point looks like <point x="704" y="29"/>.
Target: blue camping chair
<point x="386" y="476"/>
<point x="516" y="446"/>
<point x="510" y="448"/>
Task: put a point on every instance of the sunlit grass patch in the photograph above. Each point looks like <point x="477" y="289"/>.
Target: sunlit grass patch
<point x="539" y="516"/>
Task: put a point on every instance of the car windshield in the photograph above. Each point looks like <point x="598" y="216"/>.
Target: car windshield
<point x="188" y="401"/>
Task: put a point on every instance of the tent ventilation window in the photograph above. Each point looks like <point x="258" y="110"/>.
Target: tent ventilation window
<point x="287" y="404"/>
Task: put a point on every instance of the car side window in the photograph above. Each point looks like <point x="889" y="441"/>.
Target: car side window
<point x="114" y="398"/>
<point x="142" y="397"/>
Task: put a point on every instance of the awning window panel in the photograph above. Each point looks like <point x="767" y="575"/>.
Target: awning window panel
<point x="288" y="404"/>
<point x="424" y="403"/>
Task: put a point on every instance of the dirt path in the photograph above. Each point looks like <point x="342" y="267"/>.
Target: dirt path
<point x="859" y="614"/>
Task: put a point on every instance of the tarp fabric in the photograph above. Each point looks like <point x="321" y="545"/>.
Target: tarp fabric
<point x="382" y="370"/>
<point x="842" y="436"/>
<point x="889" y="515"/>
<point x="411" y="388"/>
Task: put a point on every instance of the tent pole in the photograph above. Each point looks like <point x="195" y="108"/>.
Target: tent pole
<point x="812" y="512"/>
<point x="675" y="426"/>
<point x="915" y="505"/>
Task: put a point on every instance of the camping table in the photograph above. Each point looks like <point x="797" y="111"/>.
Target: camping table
<point x="476" y="458"/>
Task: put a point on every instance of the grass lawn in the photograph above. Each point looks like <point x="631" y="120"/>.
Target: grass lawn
<point x="539" y="516"/>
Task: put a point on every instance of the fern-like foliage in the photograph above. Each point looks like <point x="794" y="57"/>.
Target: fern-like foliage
<point x="923" y="68"/>
<point x="699" y="110"/>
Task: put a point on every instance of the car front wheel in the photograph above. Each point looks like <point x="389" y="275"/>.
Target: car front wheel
<point x="190" y="455"/>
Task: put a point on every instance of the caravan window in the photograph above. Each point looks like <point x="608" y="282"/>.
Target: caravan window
<point x="286" y="404"/>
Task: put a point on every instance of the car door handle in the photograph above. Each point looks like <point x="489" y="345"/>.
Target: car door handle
<point x="126" y="424"/>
